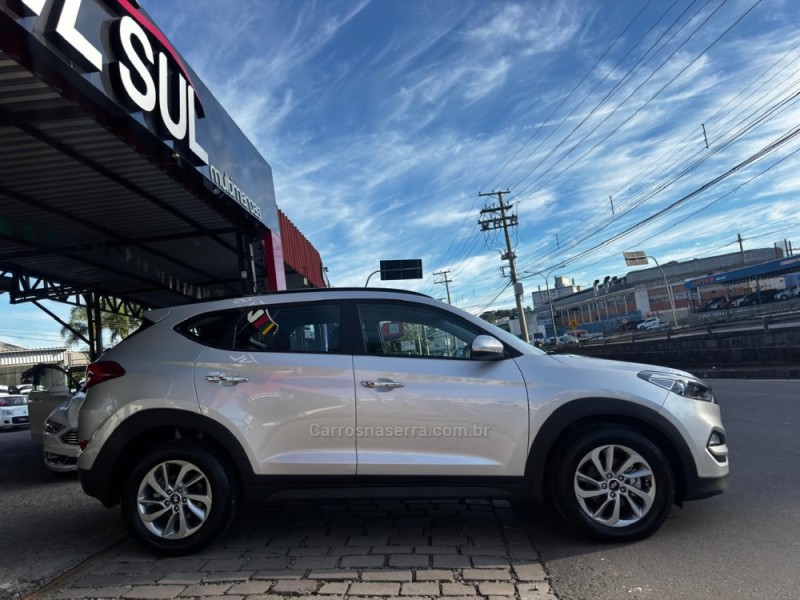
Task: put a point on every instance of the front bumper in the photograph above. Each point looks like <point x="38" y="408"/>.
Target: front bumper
<point x="59" y="456"/>
<point x="698" y="488"/>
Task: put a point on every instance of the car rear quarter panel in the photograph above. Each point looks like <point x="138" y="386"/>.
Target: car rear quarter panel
<point x="159" y="365"/>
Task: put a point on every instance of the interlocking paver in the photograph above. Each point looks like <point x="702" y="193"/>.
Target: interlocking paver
<point x="181" y="578"/>
<point x="250" y="587"/>
<point x="530" y="571"/>
<point x="376" y="560"/>
<point x="486" y="575"/>
<point x="433" y="550"/>
<point x="429" y="588"/>
<point x="294" y="587"/>
<point x="374" y="589"/>
<point x="392" y="550"/>
<point x="216" y="589"/>
<point x="367" y="540"/>
<point x="337" y="587"/>
<point x="279" y="574"/>
<point x="259" y="564"/>
<point x="365" y="550"/>
<point x="491" y="562"/>
<point x="496" y="589"/>
<point x="73" y="593"/>
<point x="434" y="575"/>
<point x="220" y="576"/>
<point x="336" y="575"/>
<point x="458" y="589"/>
<point x="316" y="562"/>
<point x="387" y="575"/>
<point x="409" y="560"/>
<point x="226" y="564"/>
<point x="537" y="591"/>
<point x="449" y="561"/>
<point x="152" y="592"/>
<point x="313" y="551"/>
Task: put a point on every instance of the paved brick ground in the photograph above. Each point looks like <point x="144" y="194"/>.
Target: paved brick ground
<point x="335" y="550"/>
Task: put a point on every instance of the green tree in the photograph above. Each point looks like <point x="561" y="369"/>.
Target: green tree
<point x="116" y="326"/>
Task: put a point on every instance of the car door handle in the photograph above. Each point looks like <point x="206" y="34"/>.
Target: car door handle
<point x="222" y="378"/>
<point x="385" y="384"/>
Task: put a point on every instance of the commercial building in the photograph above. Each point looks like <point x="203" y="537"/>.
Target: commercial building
<point x="642" y="293"/>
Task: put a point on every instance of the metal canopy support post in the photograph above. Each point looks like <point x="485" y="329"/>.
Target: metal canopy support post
<point x="94" y="324"/>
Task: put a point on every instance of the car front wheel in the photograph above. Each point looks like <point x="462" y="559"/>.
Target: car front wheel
<point x="613" y="484"/>
<point x="179" y="498"/>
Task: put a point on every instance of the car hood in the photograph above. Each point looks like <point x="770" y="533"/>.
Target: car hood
<point x="66" y="413"/>
<point x="588" y="362"/>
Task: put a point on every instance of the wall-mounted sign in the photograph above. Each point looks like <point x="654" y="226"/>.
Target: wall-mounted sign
<point x="118" y="50"/>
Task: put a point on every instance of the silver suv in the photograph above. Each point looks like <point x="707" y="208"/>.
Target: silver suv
<point x="377" y="391"/>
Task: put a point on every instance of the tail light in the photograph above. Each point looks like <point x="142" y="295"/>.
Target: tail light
<point x="103" y="370"/>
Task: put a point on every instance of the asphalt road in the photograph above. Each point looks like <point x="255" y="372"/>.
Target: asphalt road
<point x="47" y="524"/>
<point x="742" y="544"/>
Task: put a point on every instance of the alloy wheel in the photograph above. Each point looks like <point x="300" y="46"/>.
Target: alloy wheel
<point x="174" y="499"/>
<point x="614" y="486"/>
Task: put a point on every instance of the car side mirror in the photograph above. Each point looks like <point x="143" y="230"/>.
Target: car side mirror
<point x="485" y="347"/>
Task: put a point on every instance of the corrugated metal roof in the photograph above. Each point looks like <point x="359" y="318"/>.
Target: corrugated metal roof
<point x="80" y="206"/>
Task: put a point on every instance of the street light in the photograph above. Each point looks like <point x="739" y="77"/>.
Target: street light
<point x="639" y="257"/>
<point x="549" y="298"/>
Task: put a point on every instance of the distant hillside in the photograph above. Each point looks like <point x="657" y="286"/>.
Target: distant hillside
<point x="9" y="347"/>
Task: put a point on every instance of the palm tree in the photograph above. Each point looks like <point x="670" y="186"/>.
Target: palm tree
<point x="117" y="326"/>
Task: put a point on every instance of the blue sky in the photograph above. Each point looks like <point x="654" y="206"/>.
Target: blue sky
<point x="383" y="120"/>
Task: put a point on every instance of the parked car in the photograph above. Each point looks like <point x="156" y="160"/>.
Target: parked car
<point x="712" y="304"/>
<point x="791" y="292"/>
<point x="736" y="301"/>
<point x="629" y="325"/>
<point x="653" y="323"/>
<point x="14" y="411"/>
<point x="51" y="386"/>
<point x="567" y="339"/>
<point x="60" y="438"/>
<point x="330" y="389"/>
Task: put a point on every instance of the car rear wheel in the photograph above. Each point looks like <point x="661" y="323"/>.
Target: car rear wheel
<point x="613" y="484"/>
<point x="179" y="498"/>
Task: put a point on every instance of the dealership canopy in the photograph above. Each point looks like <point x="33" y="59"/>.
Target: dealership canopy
<point x="121" y="177"/>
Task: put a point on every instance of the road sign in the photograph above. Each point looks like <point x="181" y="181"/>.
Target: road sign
<point x="401" y="269"/>
<point x="574" y="324"/>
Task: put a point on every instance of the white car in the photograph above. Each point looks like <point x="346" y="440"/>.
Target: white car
<point x="60" y="436"/>
<point x="652" y="323"/>
<point x="345" y="391"/>
<point x="14" y="411"/>
<point x="790" y="292"/>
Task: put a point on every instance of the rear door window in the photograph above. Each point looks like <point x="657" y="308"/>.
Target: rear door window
<point x="311" y="327"/>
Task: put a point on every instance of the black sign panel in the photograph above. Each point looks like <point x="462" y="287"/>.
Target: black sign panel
<point x="113" y="47"/>
<point x="410" y="268"/>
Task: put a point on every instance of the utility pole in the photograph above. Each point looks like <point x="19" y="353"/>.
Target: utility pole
<point x="445" y="281"/>
<point x="505" y="221"/>
<point x="741" y="248"/>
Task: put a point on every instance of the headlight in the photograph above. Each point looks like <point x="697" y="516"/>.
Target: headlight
<point x="679" y="384"/>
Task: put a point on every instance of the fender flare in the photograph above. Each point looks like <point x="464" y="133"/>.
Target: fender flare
<point x="564" y="419"/>
<point x="103" y="481"/>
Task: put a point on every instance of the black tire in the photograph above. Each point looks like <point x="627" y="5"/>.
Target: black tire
<point x="575" y="471"/>
<point x="199" y="522"/>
